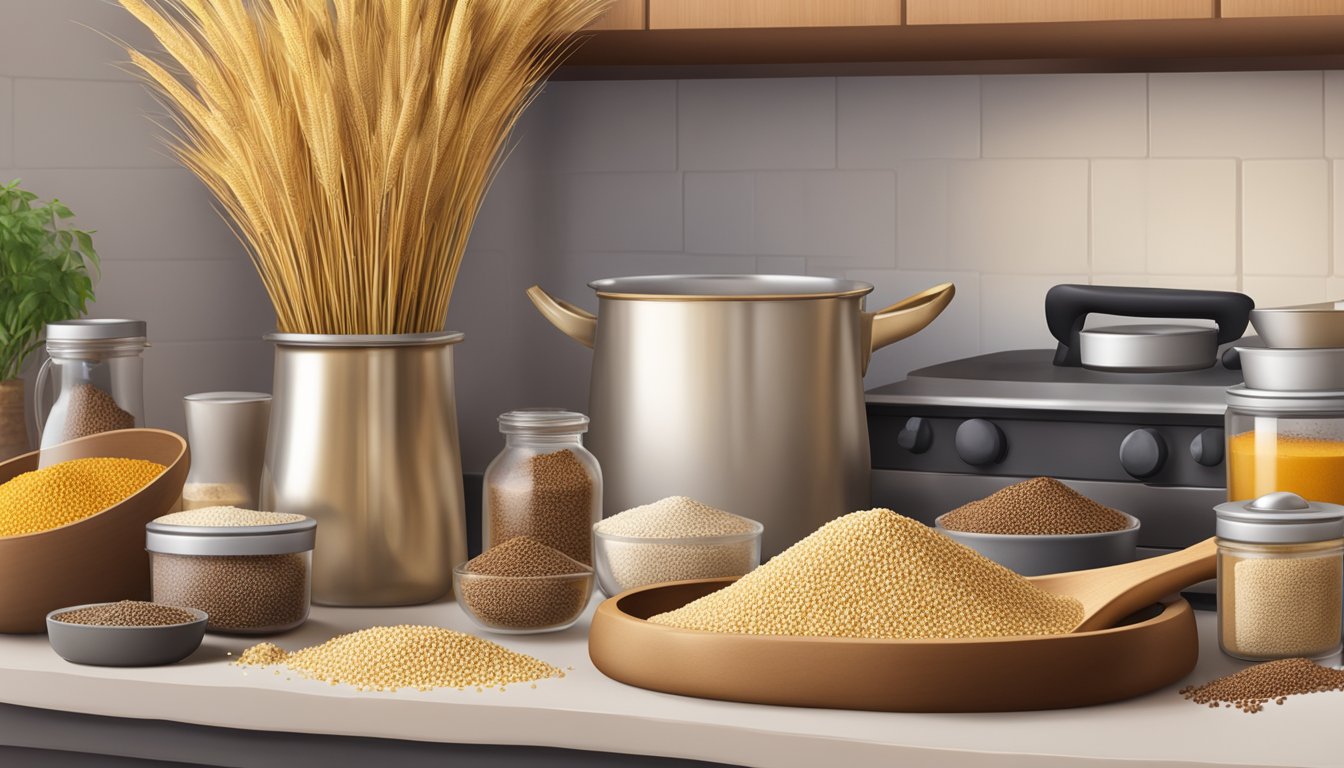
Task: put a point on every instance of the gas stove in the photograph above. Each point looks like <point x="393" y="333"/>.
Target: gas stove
<point x="1150" y="444"/>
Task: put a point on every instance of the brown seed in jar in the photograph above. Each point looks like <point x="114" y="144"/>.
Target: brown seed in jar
<point x="242" y="593"/>
<point x="524" y="584"/>
<point x="549" y="497"/>
<point x="91" y="411"/>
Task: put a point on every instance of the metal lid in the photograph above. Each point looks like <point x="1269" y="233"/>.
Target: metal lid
<point x="364" y="340"/>
<point x="282" y="539"/>
<point x="1279" y="518"/>
<point x="228" y="398"/>
<point x="1275" y="401"/>
<point x="727" y="287"/>
<point x="543" y="421"/>
<point x="96" y="330"/>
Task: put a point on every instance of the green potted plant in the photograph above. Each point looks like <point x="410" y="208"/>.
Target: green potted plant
<point x="44" y="277"/>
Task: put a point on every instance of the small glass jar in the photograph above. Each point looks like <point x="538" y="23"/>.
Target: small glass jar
<point x="1280" y="577"/>
<point x="99" y="376"/>
<point x="227" y="434"/>
<point x="1285" y="441"/>
<point x="544" y="484"/>
<point x="249" y="579"/>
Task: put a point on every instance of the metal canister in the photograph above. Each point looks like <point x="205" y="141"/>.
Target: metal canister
<point x="363" y="439"/>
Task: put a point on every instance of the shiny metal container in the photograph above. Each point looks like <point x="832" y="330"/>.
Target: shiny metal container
<point x="363" y="439"/>
<point x="227" y="434"/>
<point x="744" y="392"/>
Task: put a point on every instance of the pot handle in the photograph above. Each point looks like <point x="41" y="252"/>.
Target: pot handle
<point x="905" y="318"/>
<point x="572" y="321"/>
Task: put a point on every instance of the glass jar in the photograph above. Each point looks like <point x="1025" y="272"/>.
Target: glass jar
<point x="249" y="579"/>
<point x="1285" y="441"/>
<point x="544" y="484"/>
<point x="1280" y="577"/>
<point x="227" y="434"/>
<point x="99" y="378"/>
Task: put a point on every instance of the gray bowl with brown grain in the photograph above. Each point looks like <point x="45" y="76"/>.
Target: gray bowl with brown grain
<point x="124" y="646"/>
<point x="1039" y="554"/>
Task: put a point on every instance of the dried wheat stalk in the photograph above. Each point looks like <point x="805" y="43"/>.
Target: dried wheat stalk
<point x="351" y="142"/>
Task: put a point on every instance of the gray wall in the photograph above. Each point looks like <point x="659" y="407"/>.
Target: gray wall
<point x="1004" y="185"/>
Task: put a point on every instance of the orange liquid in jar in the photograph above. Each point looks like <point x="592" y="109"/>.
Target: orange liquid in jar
<point x="1311" y="468"/>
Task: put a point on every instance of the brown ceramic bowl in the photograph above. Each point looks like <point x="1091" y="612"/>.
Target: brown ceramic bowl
<point x="100" y="558"/>
<point x="1149" y="650"/>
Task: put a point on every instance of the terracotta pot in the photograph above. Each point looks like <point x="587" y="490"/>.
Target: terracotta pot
<point x="13" y="425"/>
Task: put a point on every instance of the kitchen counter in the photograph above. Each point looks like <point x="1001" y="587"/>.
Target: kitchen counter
<point x="587" y="711"/>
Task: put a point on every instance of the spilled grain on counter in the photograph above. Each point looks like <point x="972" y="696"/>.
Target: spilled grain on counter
<point x="1252" y="688"/>
<point x="877" y="574"/>
<point x="406" y="656"/>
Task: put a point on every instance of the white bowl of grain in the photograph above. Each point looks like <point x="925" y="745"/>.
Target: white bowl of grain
<point x="673" y="539"/>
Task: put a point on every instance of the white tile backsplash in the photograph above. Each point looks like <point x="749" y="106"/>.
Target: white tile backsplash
<point x="1285" y="223"/>
<point x="1119" y="211"/>
<point x="1334" y="114"/>
<point x="885" y="120"/>
<point x="1083" y="115"/>
<point x="720" y="212"/>
<point x="619" y="212"/>
<point x="922" y="215"/>
<point x="845" y="218"/>
<point x="6" y="122"/>
<point x="1283" y="291"/>
<point x="1191" y="215"/>
<point x="1235" y="114"/>
<point x="1027" y="216"/>
<point x="621" y="125"/>
<point x="1012" y="310"/>
<point x="86" y="124"/>
<point x="728" y="125"/>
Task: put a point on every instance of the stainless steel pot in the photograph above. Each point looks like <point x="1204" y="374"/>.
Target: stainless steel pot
<point x="363" y="439"/>
<point x="742" y="391"/>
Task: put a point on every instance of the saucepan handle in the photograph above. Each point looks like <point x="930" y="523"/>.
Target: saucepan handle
<point x="572" y="321"/>
<point x="905" y="318"/>
<point x="1067" y="308"/>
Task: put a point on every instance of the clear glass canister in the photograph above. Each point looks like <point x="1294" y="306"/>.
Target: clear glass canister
<point x="1280" y="577"/>
<point x="544" y="484"/>
<point x="250" y="578"/>
<point x="99" y="376"/>
<point x="227" y="434"/>
<point x="1285" y="441"/>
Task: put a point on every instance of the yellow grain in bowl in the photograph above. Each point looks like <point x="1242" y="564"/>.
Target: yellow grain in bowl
<point x="73" y="490"/>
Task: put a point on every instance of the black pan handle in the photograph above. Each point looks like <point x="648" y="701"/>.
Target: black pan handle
<point x="1067" y="307"/>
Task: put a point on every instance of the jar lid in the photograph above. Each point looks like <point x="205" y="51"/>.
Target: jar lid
<point x="282" y="539"/>
<point x="228" y="398"/>
<point x="96" y="330"/>
<point x="1275" y="401"/>
<point x="543" y="421"/>
<point x="1279" y="518"/>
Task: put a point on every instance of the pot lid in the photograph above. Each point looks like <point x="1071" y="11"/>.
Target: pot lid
<point x="727" y="287"/>
<point x="1279" y="518"/>
<point x="248" y="540"/>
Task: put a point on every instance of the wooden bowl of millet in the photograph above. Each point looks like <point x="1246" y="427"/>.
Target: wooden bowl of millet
<point x="100" y="558"/>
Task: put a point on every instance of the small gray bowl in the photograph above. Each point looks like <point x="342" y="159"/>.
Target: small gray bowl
<point x="124" y="646"/>
<point x="1038" y="555"/>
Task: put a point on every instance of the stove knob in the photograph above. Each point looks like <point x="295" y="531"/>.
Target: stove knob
<point x="980" y="442"/>
<point x="1143" y="453"/>
<point x="1207" y="448"/>
<point x="916" y="436"/>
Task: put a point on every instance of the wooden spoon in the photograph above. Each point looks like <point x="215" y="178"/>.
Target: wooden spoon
<point x="1110" y="594"/>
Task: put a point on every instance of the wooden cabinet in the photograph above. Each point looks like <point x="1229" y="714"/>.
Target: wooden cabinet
<point x="623" y="14"/>
<point x="1035" y="11"/>
<point x="1240" y="9"/>
<point x="763" y="14"/>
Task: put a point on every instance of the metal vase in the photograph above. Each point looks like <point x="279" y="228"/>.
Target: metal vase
<point x="363" y="438"/>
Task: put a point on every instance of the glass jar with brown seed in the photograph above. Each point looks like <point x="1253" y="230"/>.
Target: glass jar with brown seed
<point x="544" y="484"/>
